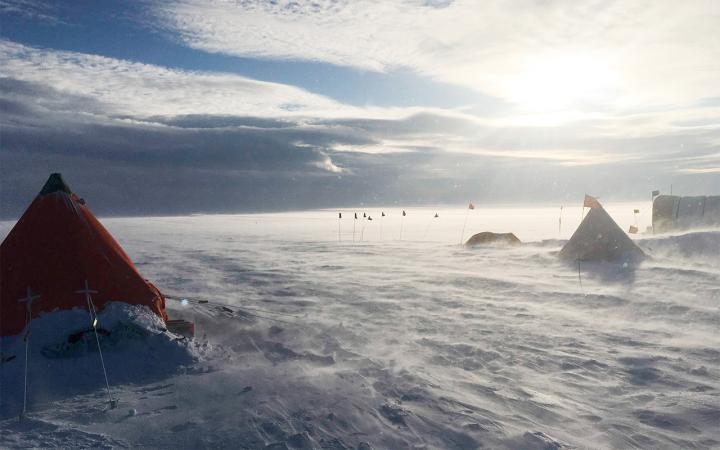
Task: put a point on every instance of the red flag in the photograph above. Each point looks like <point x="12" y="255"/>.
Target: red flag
<point x="633" y="229"/>
<point x="471" y="206"/>
<point x="591" y="202"/>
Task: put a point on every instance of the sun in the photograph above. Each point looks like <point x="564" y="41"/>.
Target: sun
<point x="558" y="82"/>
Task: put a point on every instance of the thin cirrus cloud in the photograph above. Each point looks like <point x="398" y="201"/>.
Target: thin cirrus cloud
<point x="617" y="53"/>
<point x="125" y="87"/>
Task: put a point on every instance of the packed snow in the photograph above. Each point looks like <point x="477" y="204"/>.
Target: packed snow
<point x="386" y="343"/>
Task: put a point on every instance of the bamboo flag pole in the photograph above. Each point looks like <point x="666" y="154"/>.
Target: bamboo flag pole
<point x="653" y="194"/>
<point x="354" y="220"/>
<point x="402" y="219"/>
<point x="428" y="226"/>
<point x="560" y="222"/>
<point x="382" y="219"/>
<point x="462" y="233"/>
<point x="362" y="227"/>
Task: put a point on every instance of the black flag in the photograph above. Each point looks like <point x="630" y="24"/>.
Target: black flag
<point x="355" y="216"/>
<point x="404" y="213"/>
<point x="383" y="213"/>
<point x="339" y="215"/>
<point x="364" y="215"/>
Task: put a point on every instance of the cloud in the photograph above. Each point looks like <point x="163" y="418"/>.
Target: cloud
<point x="142" y="139"/>
<point x="327" y="164"/>
<point x="36" y="10"/>
<point x="654" y="52"/>
<point x="130" y="88"/>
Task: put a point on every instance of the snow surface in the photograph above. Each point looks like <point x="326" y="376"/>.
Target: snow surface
<point x="417" y="343"/>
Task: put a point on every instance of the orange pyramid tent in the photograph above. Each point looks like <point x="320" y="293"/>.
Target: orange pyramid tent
<point x="599" y="238"/>
<point x="55" y="247"/>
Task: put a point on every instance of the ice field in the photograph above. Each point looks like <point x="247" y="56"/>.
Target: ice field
<point x="389" y="344"/>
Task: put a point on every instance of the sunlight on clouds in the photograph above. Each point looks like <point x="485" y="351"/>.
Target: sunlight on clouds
<point x="327" y="164"/>
<point x="624" y="54"/>
<point x="549" y="83"/>
<point x="700" y="170"/>
<point x="383" y="147"/>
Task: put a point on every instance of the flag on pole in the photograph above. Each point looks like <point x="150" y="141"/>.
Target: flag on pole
<point x="355" y="216"/>
<point x="364" y="215"/>
<point x="636" y="211"/>
<point x="471" y="206"/>
<point x="404" y="213"/>
<point x="655" y="193"/>
<point x="339" y="215"/>
<point x="383" y="213"/>
<point x="591" y="202"/>
<point x="633" y="229"/>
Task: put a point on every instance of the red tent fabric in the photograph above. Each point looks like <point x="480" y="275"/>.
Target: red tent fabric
<point x="55" y="246"/>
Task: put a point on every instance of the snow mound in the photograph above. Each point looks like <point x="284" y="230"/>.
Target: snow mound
<point x="64" y="360"/>
<point x="702" y="244"/>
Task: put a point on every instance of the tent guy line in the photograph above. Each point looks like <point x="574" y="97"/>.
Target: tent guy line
<point x="92" y="312"/>
<point x="234" y="308"/>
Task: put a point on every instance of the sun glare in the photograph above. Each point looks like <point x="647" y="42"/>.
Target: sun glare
<point x="560" y="82"/>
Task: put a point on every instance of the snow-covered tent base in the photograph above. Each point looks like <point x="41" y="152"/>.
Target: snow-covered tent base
<point x="63" y="357"/>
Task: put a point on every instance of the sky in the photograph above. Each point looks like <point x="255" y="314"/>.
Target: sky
<point x="158" y="107"/>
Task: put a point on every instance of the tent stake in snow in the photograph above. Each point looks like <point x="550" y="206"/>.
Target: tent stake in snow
<point x="28" y="300"/>
<point x="93" y="321"/>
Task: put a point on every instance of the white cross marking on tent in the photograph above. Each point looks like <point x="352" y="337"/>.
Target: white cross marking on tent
<point x="86" y="291"/>
<point x="29" y="299"/>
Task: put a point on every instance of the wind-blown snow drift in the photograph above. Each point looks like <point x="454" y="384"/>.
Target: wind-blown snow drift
<point x="133" y="339"/>
<point x="406" y="344"/>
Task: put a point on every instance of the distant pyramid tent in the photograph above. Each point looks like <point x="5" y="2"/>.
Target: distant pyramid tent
<point x="53" y="249"/>
<point x="599" y="238"/>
